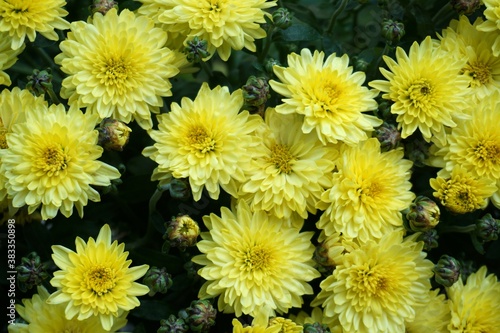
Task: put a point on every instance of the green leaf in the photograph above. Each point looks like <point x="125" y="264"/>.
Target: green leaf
<point x="299" y="31"/>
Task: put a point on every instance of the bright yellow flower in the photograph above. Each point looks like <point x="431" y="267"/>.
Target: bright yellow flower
<point x="474" y="144"/>
<point x="492" y="23"/>
<point x="316" y="316"/>
<point x="51" y="161"/>
<point x="224" y="24"/>
<point x="286" y="325"/>
<point x="42" y="317"/>
<point x="475" y="306"/>
<point x="23" y="19"/>
<point x="289" y="170"/>
<point x="426" y="88"/>
<point x="8" y="57"/>
<point x="254" y="263"/>
<point x="462" y="193"/>
<point x="238" y="328"/>
<point x="432" y="317"/>
<point x="369" y="190"/>
<point x="205" y="140"/>
<point x="463" y="40"/>
<point x="378" y="286"/>
<point x="329" y="95"/>
<point x="96" y="280"/>
<point x="117" y="67"/>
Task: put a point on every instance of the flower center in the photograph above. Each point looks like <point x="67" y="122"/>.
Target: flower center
<point x="52" y="159"/>
<point x="256" y="258"/>
<point x="100" y="279"/>
<point x="460" y="198"/>
<point x="480" y="74"/>
<point x="369" y="191"/>
<point x="420" y="94"/>
<point x="324" y="93"/>
<point x="281" y="158"/>
<point x="486" y="151"/>
<point x="114" y="71"/>
<point x="370" y="281"/>
<point x="3" y="136"/>
<point x="200" y="140"/>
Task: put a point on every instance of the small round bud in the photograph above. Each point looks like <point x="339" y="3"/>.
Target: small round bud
<point x="282" y="18"/>
<point x="417" y="151"/>
<point x="487" y="228"/>
<point x="388" y="136"/>
<point x="269" y="64"/>
<point x="179" y="188"/>
<point x="430" y="238"/>
<point x="392" y="31"/>
<point x="201" y="316"/>
<point x="256" y="91"/>
<point x="360" y="64"/>
<point x="173" y="325"/>
<point x="182" y="232"/>
<point x="316" y="328"/>
<point x="465" y="7"/>
<point x="158" y="280"/>
<point x="40" y="82"/>
<point x="102" y="6"/>
<point x="113" y="134"/>
<point x="31" y="272"/>
<point x="196" y="50"/>
<point x="423" y="214"/>
<point x="447" y="271"/>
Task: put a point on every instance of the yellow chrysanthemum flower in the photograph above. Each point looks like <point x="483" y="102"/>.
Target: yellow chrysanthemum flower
<point x="463" y="40"/>
<point x="42" y="317"/>
<point x="289" y="170"/>
<point x="433" y="317"/>
<point x="492" y="23"/>
<point x="426" y="87"/>
<point x="474" y="144"/>
<point x="370" y="188"/>
<point x="254" y="263"/>
<point x="378" y="286"/>
<point x="224" y="24"/>
<point x="329" y="95"/>
<point x="51" y="161"/>
<point x="475" y="306"/>
<point x="286" y="325"/>
<point x="23" y="19"/>
<point x="206" y="140"/>
<point x="118" y="67"/>
<point x="8" y="57"/>
<point x="316" y="316"/>
<point x="238" y="328"/>
<point x="462" y="193"/>
<point x="96" y="280"/>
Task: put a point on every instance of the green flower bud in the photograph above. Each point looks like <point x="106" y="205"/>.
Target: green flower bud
<point x="392" y="31"/>
<point x="316" y="328"/>
<point x="447" y="271"/>
<point x="196" y="50"/>
<point x="201" y="315"/>
<point x="40" y="82"/>
<point x="113" y="134"/>
<point x="102" y="6"/>
<point x="158" y="280"/>
<point x="321" y="257"/>
<point x="31" y="272"/>
<point x="256" y="93"/>
<point x="179" y="188"/>
<point x="269" y="64"/>
<point x="417" y="151"/>
<point x="173" y="325"/>
<point x="182" y="232"/>
<point x="465" y="7"/>
<point x="282" y="18"/>
<point x="360" y="64"/>
<point x="423" y="214"/>
<point x="430" y="238"/>
<point x="487" y="228"/>
<point x="388" y="136"/>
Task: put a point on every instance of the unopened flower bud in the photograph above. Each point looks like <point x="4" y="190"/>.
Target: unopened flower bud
<point x="173" y="325"/>
<point x="325" y="264"/>
<point x="423" y="214"/>
<point x="182" y="232"/>
<point x="282" y="18"/>
<point x="392" y="31"/>
<point x="360" y="64"/>
<point x="31" y="272"/>
<point x="430" y="238"/>
<point x="102" y="6"/>
<point x="487" y="228"/>
<point x="465" y="7"/>
<point x="201" y="315"/>
<point x="447" y="271"/>
<point x="316" y="328"/>
<point x="113" y="134"/>
<point x="388" y="136"/>
<point x="39" y="82"/>
<point x="256" y="93"/>
<point x="417" y="151"/>
<point x="179" y="188"/>
<point x="158" y="280"/>
<point x="269" y="65"/>
<point x="196" y="50"/>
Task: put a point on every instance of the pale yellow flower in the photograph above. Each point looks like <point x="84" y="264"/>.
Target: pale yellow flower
<point x="8" y="57"/>
<point x="492" y="23"/>
<point x="238" y="328"/>
<point x="433" y="316"/>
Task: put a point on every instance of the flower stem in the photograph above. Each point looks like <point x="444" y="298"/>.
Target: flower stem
<point x="443" y="14"/>
<point x="204" y="66"/>
<point x="337" y="12"/>
<point x="267" y="44"/>
<point x="463" y="230"/>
